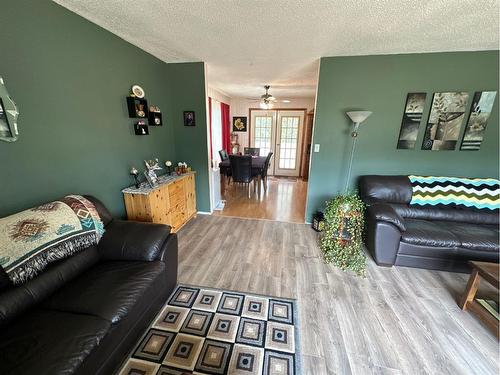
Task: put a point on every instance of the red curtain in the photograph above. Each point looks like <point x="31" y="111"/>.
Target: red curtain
<point x="226" y="134"/>
<point x="210" y="124"/>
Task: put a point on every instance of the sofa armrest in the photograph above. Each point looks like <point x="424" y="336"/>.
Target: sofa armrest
<point x="384" y="212"/>
<point x="133" y="240"/>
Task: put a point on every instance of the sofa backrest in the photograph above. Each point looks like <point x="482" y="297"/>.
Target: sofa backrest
<point x="17" y="299"/>
<point x="397" y="192"/>
<point x="385" y="189"/>
<point x="14" y="300"/>
<point x="104" y="214"/>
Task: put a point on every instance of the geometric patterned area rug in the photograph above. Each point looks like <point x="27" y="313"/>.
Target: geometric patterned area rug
<point x="213" y="331"/>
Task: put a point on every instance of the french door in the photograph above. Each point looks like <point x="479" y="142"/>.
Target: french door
<point x="279" y="131"/>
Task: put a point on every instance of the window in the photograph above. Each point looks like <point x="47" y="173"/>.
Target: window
<point x="289" y="134"/>
<point x="262" y="137"/>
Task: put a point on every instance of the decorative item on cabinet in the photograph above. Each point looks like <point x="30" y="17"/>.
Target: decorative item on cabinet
<point x="141" y="128"/>
<point x="168" y="164"/>
<point x="135" y="173"/>
<point x="152" y="166"/>
<point x="172" y="201"/>
<point x="182" y="168"/>
<point x="154" y="116"/>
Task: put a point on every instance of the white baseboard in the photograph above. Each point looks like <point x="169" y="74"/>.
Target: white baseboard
<point x="204" y="213"/>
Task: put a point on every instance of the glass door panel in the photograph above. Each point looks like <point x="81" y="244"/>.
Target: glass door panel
<point x="288" y="143"/>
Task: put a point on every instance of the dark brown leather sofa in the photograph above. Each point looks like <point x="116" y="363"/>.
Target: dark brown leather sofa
<point x="424" y="237"/>
<point x="82" y="315"/>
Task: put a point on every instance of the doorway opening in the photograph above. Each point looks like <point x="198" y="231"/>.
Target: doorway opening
<point x="286" y="133"/>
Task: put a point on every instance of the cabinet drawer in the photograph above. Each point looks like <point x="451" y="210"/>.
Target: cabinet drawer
<point x="176" y="188"/>
<point x="178" y="207"/>
<point x="177" y="197"/>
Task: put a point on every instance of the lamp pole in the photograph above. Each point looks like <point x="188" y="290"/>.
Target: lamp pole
<point x="357" y="118"/>
<point x="354" y="136"/>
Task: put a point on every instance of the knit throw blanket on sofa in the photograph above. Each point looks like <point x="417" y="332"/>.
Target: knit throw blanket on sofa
<point x="481" y="193"/>
<point x="31" y="239"/>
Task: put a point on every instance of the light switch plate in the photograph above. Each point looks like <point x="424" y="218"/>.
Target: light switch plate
<point x="316" y="147"/>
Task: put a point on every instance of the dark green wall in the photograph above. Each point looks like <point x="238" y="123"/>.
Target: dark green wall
<point x="380" y="84"/>
<point x="187" y="87"/>
<point x="69" y="79"/>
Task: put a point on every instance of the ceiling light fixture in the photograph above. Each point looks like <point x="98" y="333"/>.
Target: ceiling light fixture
<point x="266" y="100"/>
<point x="266" y="105"/>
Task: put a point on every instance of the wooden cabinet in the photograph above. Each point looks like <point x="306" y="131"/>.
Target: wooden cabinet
<point x="172" y="202"/>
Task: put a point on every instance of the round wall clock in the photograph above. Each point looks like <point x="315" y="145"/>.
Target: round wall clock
<point x="138" y="91"/>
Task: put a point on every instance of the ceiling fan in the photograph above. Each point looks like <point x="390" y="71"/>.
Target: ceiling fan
<point x="267" y="100"/>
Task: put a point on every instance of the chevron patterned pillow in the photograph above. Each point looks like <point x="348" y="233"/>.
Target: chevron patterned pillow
<point x="481" y="193"/>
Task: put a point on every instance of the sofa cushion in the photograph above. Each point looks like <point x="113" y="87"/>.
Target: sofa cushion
<point x="49" y="342"/>
<point x="16" y="299"/>
<point x="110" y="290"/>
<point x="429" y="233"/>
<point x="475" y="237"/>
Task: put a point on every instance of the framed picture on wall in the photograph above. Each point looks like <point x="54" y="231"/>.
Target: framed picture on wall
<point x="239" y="124"/>
<point x="4" y="122"/>
<point x="189" y="119"/>
<point x="412" y="117"/>
<point x="445" y="120"/>
<point x="482" y="105"/>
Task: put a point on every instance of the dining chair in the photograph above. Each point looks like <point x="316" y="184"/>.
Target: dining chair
<point x="263" y="172"/>
<point x="223" y="155"/>
<point x="241" y="170"/>
<point x="226" y="170"/>
<point x="254" y="151"/>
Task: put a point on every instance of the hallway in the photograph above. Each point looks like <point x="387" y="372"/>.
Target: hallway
<point x="285" y="200"/>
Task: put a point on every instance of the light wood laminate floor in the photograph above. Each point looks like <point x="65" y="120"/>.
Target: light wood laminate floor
<point x="395" y="321"/>
<point x="285" y="200"/>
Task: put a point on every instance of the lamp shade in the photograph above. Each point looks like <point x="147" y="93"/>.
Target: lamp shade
<point x="358" y="116"/>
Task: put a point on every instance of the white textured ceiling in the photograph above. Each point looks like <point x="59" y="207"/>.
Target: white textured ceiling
<point x="249" y="43"/>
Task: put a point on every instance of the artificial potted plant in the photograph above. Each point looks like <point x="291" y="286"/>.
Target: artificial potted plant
<point x="341" y="241"/>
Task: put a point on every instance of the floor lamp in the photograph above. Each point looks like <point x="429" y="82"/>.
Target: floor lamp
<point x="357" y="118"/>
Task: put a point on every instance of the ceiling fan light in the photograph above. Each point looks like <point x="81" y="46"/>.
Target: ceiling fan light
<point x="263" y="105"/>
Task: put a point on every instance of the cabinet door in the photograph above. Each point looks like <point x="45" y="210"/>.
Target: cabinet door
<point x="177" y="198"/>
<point x="190" y="196"/>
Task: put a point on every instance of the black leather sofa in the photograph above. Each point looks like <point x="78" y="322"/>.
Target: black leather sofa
<point x="82" y="315"/>
<point x="425" y="237"/>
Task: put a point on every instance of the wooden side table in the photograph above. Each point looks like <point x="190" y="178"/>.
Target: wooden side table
<point x="489" y="272"/>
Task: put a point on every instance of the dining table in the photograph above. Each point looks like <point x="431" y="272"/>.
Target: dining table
<point x="258" y="163"/>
